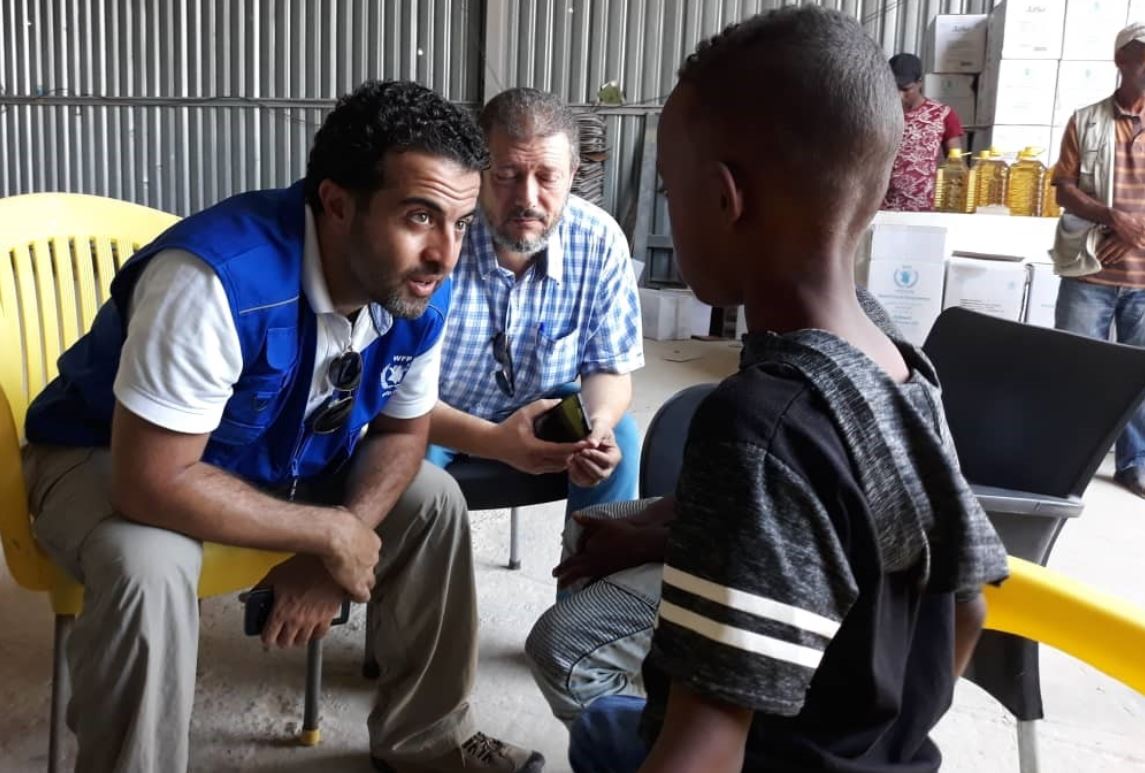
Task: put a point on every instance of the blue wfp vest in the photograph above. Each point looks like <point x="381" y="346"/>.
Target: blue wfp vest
<point x="254" y="242"/>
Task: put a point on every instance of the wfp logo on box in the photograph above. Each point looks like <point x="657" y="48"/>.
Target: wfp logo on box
<point x="906" y="277"/>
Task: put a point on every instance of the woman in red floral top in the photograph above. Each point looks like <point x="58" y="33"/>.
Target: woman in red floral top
<point x="931" y="129"/>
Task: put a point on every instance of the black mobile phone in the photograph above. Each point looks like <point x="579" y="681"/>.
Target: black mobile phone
<point x="565" y="422"/>
<point x="257" y="604"/>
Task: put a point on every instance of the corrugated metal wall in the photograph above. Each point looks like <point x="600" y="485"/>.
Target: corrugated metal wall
<point x="572" y="47"/>
<point x="179" y="104"/>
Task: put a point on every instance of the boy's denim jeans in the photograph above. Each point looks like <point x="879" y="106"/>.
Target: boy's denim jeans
<point x="606" y="737"/>
<point x="1090" y="309"/>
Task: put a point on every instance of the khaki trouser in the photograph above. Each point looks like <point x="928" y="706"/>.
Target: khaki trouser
<point x="132" y="652"/>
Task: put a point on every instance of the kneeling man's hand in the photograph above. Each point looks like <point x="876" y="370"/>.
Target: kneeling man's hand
<point x="595" y="463"/>
<point x="306" y="599"/>
<point x="517" y="444"/>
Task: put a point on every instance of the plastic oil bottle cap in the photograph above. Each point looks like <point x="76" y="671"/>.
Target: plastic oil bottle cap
<point x="1029" y="152"/>
<point x="954" y="153"/>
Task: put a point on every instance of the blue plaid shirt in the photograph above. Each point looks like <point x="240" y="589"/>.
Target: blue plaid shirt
<point x="573" y="313"/>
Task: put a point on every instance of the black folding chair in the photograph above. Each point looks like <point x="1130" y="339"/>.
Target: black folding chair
<point x="1033" y="412"/>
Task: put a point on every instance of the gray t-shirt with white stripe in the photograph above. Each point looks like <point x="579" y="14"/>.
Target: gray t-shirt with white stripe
<point x="809" y="578"/>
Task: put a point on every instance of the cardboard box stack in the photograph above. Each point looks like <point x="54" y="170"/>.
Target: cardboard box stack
<point x="989" y="264"/>
<point x="1044" y="60"/>
<point x="955" y="54"/>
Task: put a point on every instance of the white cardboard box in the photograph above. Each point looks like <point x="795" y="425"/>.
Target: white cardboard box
<point x="1017" y="92"/>
<point x="1042" y="297"/>
<point x="1019" y="238"/>
<point x="994" y="287"/>
<point x="673" y="315"/>
<point x="1008" y="140"/>
<point x="658" y="313"/>
<point x="1092" y="27"/>
<point x="693" y="317"/>
<point x="954" y="90"/>
<point x="1026" y="30"/>
<point x="905" y="272"/>
<point x="957" y="43"/>
<point x="1081" y="84"/>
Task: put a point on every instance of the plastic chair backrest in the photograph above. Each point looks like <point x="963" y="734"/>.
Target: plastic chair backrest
<point x="1030" y="408"/>
<point x="59" y="254"/>
<point x="662" y="456"/>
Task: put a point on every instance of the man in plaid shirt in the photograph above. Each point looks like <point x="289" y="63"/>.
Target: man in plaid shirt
<point x="544" y="293"/>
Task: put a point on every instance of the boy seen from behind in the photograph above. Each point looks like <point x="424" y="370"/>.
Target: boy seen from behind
<point x="823" y="567"/>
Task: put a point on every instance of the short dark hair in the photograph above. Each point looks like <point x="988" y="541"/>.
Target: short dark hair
<point x="525" y="113"/>
<point x="811" y="89"/>
<point x="907" y="69"/>
<point x="381" y="117"/>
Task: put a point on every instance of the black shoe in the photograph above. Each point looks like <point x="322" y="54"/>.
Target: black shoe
<point x="1132" y="479"/>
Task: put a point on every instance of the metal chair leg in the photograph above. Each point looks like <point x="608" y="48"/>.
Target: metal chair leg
<point x="1027" y="746"/>
<point x="515" y="538"/>
<point x="311" y="735"/>
<point x="370" y="668"/>
<point x="61" y="692"/>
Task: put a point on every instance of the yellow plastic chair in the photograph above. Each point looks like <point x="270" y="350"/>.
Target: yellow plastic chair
<point x="1047" y="606"/>
<point x="60" y="252"/>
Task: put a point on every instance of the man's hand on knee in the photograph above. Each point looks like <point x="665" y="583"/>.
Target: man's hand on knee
<point x="516" y="444"/>
<point x="352" y="555"/>
<point x="306" y="600"/>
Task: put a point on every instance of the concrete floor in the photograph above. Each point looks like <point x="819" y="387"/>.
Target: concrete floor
<point x="249" y="703"/>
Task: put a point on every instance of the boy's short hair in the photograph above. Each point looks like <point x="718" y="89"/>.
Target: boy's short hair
<point x="811" y="89"/>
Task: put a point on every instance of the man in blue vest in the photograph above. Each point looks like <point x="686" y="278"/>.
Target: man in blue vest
<point x="262" y="376"/>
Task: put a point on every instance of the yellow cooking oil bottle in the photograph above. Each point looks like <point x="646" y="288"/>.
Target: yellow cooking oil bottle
<point x="1050" y="206"/>
<point x="990" y="174"/>
<point x="951" y="184"/>
<point x="1027" y="175"/>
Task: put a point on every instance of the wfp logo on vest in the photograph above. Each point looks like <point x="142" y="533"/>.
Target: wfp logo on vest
<point x="395" y="372"/>
<point x="906" y="277"/>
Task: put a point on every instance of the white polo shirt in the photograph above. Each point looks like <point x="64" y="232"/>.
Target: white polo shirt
<point x="182" y="356"/>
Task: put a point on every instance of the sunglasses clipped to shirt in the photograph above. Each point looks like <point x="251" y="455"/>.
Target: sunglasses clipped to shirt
<point x="502" y="355"/>
<point x="345" y="376"/>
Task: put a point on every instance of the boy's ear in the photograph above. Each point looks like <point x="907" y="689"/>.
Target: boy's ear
<point x="731" y="194"/>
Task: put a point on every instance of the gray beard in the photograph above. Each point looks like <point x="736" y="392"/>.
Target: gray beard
<point x="402" y="307"/>
<point x="524" y="246"/>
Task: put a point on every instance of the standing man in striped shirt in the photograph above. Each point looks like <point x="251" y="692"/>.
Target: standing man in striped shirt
<point x="544" y="293"/>
<point x="1100" y="246"/>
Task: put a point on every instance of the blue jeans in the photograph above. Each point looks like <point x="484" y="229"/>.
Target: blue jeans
<point x="606" y="737"/>
<point x="620" y="486"/>
<point x="1090" y="309"/>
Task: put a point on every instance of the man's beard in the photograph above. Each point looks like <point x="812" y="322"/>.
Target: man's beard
<point x="527" y="245"/>
<point x="402" y="307"/>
